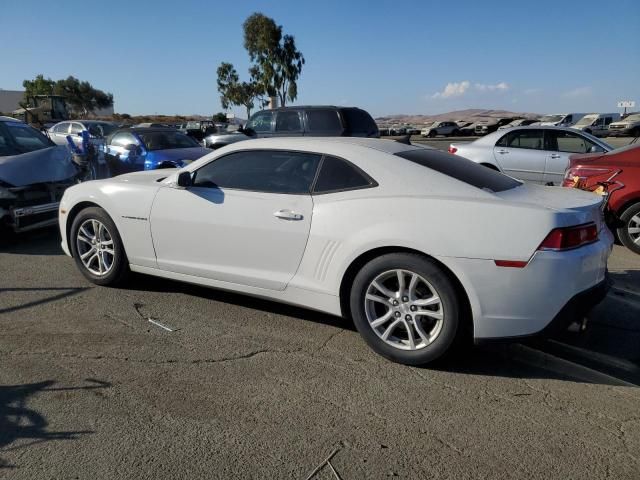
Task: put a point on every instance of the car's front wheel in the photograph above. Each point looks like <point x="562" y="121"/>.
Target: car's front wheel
<point x="629" y="231"/>
<point x="406" y="308"/>
<point x="97" y="248"/>
<point x="433" y="134"/>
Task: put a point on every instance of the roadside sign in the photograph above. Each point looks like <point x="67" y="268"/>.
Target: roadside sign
<point x="230" y="116"/>
<point x="626" y="104"/>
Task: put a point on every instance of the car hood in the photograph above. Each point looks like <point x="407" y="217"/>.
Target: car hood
<point x="621" y="124"/>
<point x="52" y="164"/>
<point x="191" y="153"/>
<point x="145" y="177"/>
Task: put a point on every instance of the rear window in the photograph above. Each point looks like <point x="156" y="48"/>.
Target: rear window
<point x="359" y="123"/>
<point x="461" y="169"/>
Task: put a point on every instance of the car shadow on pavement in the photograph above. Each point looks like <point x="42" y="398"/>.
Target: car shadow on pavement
<point x="155" y="284"/>
<point x="22" y="427"/>
<point x="45" y="241"/>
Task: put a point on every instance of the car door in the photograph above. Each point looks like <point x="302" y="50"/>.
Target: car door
<point x="519" y="154"/>
<point x="245" y="220"/>
<point x="559" y="146"/>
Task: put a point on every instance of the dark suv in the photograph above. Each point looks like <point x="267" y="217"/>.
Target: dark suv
<point x="316" y="121"/>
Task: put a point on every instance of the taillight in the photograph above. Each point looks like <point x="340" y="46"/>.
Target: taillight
<point x="452" y="149"/>
<point x="567" y="238"/>
<point x="578" y="176"/>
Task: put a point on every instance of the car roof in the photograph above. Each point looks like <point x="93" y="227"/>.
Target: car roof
<point x="311" y="107"/>
<point x="317" y="143"/>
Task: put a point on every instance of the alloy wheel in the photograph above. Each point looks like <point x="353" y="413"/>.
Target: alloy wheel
<point x="633" y="227"/>
<point x="95" y="247"/>
<point x="404" y="309"/>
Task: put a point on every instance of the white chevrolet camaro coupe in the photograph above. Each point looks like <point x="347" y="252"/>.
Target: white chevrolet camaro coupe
<point x="419" y="247"/>
<point x="534" y="153"/>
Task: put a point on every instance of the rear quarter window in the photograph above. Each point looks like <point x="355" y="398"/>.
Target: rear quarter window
<point x="359" y="123"/>
<point x="461" y="169"/>
<point x="323" y="121"/>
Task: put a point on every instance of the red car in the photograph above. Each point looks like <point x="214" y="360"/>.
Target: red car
<point x="621" y="168"/>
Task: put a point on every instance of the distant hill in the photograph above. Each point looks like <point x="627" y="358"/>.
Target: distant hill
<point x="470" y="115"/>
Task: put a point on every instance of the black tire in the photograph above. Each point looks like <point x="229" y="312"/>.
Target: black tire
<point x="456" y="133"/>
<point x="635" y="132"/>
<point x="443" y="285"/>
<point x="433" y="134"/>
<point x="119" y="269"/>
<point x="627" y="221"/>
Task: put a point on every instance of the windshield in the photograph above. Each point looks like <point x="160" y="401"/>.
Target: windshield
<point x="586" y="121"/>
<point x="632" y="118"/>
<point x="21" y="138"/>
<point x="552" y="118"/>
<point x="166" y="140"/>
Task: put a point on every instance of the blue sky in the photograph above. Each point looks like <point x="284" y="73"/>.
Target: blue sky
<point x="388" y="57"/>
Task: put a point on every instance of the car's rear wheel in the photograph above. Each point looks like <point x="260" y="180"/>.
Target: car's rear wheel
<point x="629" y="231"/>
<point x="97" y="248"/>
<point x="406" y="308"/>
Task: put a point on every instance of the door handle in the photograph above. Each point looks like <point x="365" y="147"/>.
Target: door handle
<point x="288" y="215"/>
<point x="555" y="155"/>
<point x="502" y="151"/>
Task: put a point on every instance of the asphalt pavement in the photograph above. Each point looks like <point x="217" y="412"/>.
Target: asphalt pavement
<point x="168" y="380"/>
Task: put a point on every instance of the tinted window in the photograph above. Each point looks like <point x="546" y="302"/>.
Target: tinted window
<point x="261" y="171"/>
<point x="166" y="140"/>
<point x="337" y="174"/>
<point x="287" y="121"/>
<point x="569" y="142"/>
<point x="461" y="169"/>
<point x="323" y="121"/>
<point x="531" y="139"/>
<point x="359" y="122"/>
<point x="260" y="122"/>
<point x="5" y="145"/>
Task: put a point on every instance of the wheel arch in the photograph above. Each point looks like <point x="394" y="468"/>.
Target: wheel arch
<point x="73" y="213"/>
<point x="365" y="257"/>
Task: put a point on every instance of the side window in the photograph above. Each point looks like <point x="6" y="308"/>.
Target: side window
<point x="337" y="174"/>
<point x="62" y="128"/>
<point x="123" y="139"/>
<point x="608" y="120"/>
<point x="359" y="122"/>
<point x="260" y="122"/>
<point x="568" y="119"/>
<point x="323" y="121"/>
<point x="530" y="139"/>
<point x="288" y="121"/>
<point x="269" y="171"/>
<point x="572" y="143"/>
<point x="76" y="128"/>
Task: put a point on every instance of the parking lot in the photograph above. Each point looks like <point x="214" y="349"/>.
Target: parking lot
<point x="234" y="387"/>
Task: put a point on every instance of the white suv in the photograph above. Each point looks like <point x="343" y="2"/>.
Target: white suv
<point x="441" y="128"/>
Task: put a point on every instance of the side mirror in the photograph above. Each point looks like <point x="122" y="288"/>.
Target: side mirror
<point x="594" y="149"/>
<point x="184" y="180"/>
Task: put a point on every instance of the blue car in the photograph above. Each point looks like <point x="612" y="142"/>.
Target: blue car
<point x="135" y="149"/>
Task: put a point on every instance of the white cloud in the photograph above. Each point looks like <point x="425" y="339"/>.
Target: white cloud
<point x="578" y="92"/>
<point x="453" y="89"/>
<point x="458" y="89"/>
<point x="491" y="88"/>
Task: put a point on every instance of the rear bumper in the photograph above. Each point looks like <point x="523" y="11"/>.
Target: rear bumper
<point x="517" y="302"/>
<point x="574" y="311"/>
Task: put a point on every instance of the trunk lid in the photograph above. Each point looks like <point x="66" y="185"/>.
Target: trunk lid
<point x="583" y="206"/>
